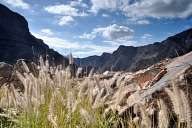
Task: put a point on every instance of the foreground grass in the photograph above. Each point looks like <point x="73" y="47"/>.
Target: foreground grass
<point x="55" y="100"/>
<point x="58" y="115"/>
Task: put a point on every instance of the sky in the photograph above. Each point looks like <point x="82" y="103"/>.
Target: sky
<point x="91" y="27"/>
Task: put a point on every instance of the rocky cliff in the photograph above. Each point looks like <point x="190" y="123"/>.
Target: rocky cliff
<point x="16" y="41"/>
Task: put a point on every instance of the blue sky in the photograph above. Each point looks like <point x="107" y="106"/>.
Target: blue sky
<point x="91" y="27"/>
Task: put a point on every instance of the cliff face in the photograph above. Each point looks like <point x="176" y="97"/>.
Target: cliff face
<point x="16" y="41"/>
<point x="129" y="58"/>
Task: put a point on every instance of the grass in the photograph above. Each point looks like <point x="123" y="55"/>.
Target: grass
<point x="55" y="100"/>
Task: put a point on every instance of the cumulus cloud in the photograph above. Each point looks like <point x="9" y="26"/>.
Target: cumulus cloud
<point x="111" y="32"/>
<point x="146" y="8"/>
<point x="62" y="9"/>
<point x="66" y="10"/>
<point x="47" y="31"/>
<point x="65" y="20"/>
<point x="160" y="8"/>
<point x="112" y="5"/>
<point x="18" y="3"/>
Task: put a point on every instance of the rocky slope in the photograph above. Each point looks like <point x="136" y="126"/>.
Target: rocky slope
<point x="131" y="58"/>
<point x="16" y="41"/>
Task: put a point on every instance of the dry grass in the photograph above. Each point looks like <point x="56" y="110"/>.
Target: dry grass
<point x="54" y="99"/>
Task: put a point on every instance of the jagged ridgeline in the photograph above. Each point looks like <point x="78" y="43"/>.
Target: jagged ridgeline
<point x="16" y="41"/>
<point x="129" y="58"/>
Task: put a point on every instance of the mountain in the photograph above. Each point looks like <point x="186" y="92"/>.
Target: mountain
<point x="129" y="58"/>
<point x="16" y="41"/>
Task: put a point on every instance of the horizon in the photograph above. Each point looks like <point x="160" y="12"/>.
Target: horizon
<point x="91" y="27"/>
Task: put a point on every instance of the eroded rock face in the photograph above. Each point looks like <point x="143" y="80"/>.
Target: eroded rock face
<point x="16" y="41"/>
<point x="129" y="58"/>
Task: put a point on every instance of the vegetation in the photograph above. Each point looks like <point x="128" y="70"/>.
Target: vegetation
<point x="55" y="100"/>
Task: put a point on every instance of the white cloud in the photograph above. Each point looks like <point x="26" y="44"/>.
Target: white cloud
<point x="146" y="39"/>
<point x="65" y="20"/>
<point x="118" y="42"/>
<point x="66" y="10"/>
<point x="146" y="36"/>
<point x="160" y="9"/>
<point x="105" y="15"/>
<point x="146" y="8"/>
<point x="18" y="3"/>
<point x="111" y="32"/>
<point x="137" y="21"/>
<point x="47" y="31"/>
<point x="112" y="5"/>
<point x="87" y="36"/>
<point x="62" y="9"/>
<point x="56" y="41"/>
<point x="78" y="49"/>
<point x="143" y="22"/>
<point x="78" y="3"/>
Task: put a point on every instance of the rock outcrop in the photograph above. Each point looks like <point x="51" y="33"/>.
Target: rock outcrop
<point x="16" y="41"/>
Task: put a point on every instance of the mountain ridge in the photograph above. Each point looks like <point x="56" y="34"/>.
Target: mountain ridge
<point x="17" y="42"/>
<point x="131" y="58"/>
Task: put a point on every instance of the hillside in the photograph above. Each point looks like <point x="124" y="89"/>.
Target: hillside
<point x="131" y="58"/>
<point x="16" y="41"/>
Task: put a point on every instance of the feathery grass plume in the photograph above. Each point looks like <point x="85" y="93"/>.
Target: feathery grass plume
<point x="187" y="108"/>
<point x="60" y="96"/>
<point x="136" y="121"/>
<point x="5" y="97"/>
<point x="163" y="116"/>
<point x="91" y="73"/>
<point x="14" y="95"/>
<point x="136" y="109"/>
<point x="173" y="100"/>
<point x="71" y="102"/>
<point x="135" y="98"/>
<point x="83" y="88"/>
<point x="99" y="98"/>
<point x="180" y="104"/>
<point x="97" y="83"/>
<point x="146" y="121"/>
<point x="121" y="95"/>
<point x="51" y="116"/>
<point x="47" y="65"/>
<point x="25" y="67"/>
<point x="87" y="116"/>
<point x="93" y="91"/>
<point x="79" y="72"/>
<point x="112" y="82"/>
<point x="107" y="84"/>
<point x="119" y="81"/>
